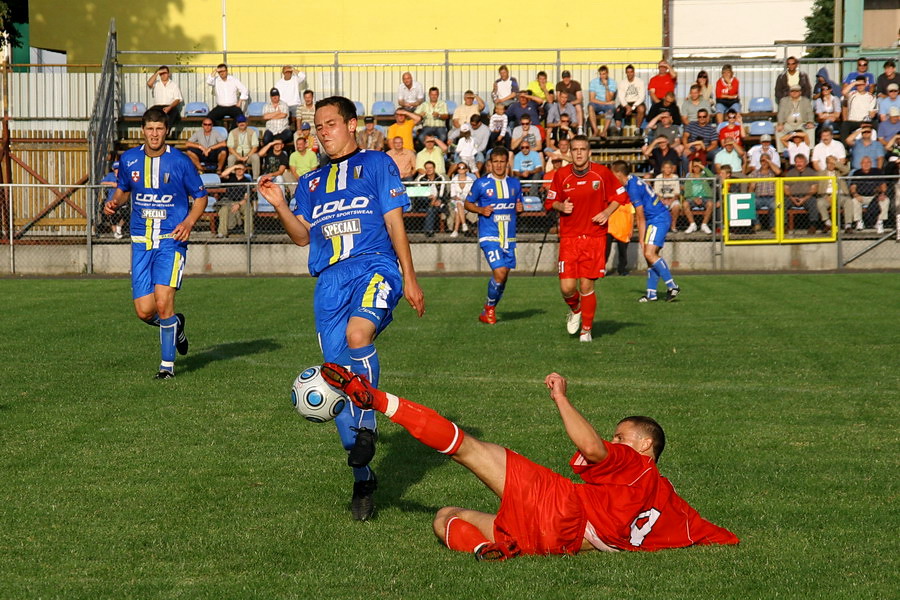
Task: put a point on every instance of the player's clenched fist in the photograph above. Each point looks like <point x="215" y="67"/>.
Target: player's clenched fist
<point x="271" y="191"/>
<point x="556" y="383"/>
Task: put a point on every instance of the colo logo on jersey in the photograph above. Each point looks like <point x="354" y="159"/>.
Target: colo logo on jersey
<point x="339" y="205"/>
<point x="505" y="206"/>
<point x="154" y="198"/>
<point x="339" y="228"/>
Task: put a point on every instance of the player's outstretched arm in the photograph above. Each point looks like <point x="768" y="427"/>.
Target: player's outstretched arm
<point x="393" y="221"/>
<point x="579" y="430"/>
<point x="296" y="227"/>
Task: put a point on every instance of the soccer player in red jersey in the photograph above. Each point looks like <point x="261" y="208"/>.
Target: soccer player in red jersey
<point x="623" y="504"/>
<point x="585" y="194"/>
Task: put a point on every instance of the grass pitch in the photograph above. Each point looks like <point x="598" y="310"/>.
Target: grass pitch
<point x="779" y="395"/>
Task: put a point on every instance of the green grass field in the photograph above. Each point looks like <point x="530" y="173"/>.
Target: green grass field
<point x="779" y="395"/>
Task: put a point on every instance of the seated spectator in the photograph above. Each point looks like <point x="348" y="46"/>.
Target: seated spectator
<point x="555" y="163"/>
<point x="630" y="97"/>
<point x="889" y="130"/>
<point x="471" y="107"/>
<point x="306" y="112"/>
<point x="662" y="83"/>
<point x="659" y="152"/>
<point x="562" y="151"/>
<point x="888" y="77"/>
<point x="480" y="134"/>
<point x="869" y="200"/>
<point x="667" y="104"/>
<point x="460" y="185"/>
<point x="733" y="130"/>
<point x="277" y="116"/>
<point x="861" y="106"/>
<point x="800" y="194"/>
<point x="467" y="150"/>
<point x="434" y="113"/>
<point x="498" y="125"/>
<point x="118" y="219"/>
<point x="404" y="158"/>
<point x="303" y="160"/>
<point x="231" y="95"/>
<point x="437" y="195"/>
<point x="576" y="97"/>
<point x="505" y="88"/>
<point x="700" y="137"/>
<point x="832" y="169"/>
<point x="206" y="148"/>
<point x="764" y="148"/>
<point x="601" y="100"/>
<point x="668" y="189"/>
<point x="862" y="70"/>
<point x="166" y="96"/>
<point x="526" y="104"/>
<point x="795" y="113"/>
<point x="694" y="103"/>
<point x="243" y="144"/>
<point x="528" y="165"/>
<point x="790" y="77"/>
<point x="526" y="132"/>
<point x="562" y="106"/>
<point x="233" y="205"/>
<point x="565" y="130"/>
<point x="306" y="132"/>
<point x="664" y="124"/>
<point x="370" y="137"/>
<point x="728" y="93"/>
<point x="275" y="161"/>
<point x="732" y="155"/>
<point x="698" y="195"/>
<point x="707" y="91"/>
<point x="862" y="143"/>
<point x="289" y="90"/>
<point x="827" y="108"/>
<point x="827" y="146"/>
<point x="892" y="100"/>
<point x="410" y="94"/>
<point x="543" y="92"/>
<point x="795" y="145"/>
<point x="765" y="190"/>
<point x="434" y="151"/>
<point x="821" y="79"/>
<point x="404" y="123"/>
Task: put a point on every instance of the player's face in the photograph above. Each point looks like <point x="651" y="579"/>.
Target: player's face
<point x="335" y="135"/>
<point x="581" y="154"/>
<point x="154" y="135"/>
<point x="498" y="165"/>
<point x="629" y="434"/>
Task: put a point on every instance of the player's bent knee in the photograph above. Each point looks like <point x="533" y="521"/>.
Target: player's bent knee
<point x="441" y="518"/>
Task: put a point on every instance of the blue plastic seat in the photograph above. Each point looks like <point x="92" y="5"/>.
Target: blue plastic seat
<point x="383" y="107"/>
<point x="255" y="109"/>
<point x="196" y="109"/>
<point x="221" y="131"/>
<point x="134" y="109"/>
<point x="761" y="104"/>
<point x="762" y="127"/>
<point x="451" y="107"/>
<point x="360" y="108"/>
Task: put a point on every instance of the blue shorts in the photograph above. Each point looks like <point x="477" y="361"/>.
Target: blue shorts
<point x="156" y="266"/>
<point x="497" y="256"/>
<point x="657" y="230"/>
<point x="368" y="286"/>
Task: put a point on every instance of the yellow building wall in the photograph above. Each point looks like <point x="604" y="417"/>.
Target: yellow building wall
<point x="80" y="30"/>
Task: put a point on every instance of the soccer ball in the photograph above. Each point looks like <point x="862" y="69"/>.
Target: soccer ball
<point x="314" y="399"/>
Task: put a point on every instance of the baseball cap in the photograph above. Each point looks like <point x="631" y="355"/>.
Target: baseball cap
<point x="369" y="119"/>
<point x="304" y="126"/>
<point x="765" y="138"/>
<point x="115" y="165"/>
<point x="240" y="119"/>
<point x="465" y="127"/>
<point x="893" y="87"/>
<point x="894" y="112"/>
<point x="565" y="74"/>
<point x="796" y="88"/>
<point x="274" y="92"/>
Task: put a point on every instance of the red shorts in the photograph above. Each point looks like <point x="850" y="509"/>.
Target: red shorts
<point x="540" y="509"/>
<point x="582" y="256"/>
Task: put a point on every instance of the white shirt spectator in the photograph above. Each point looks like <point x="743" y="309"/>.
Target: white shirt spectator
<point x="821" y="151"/>
<point x="276" y="126"/>
<point x="290" y="89"/>
<point x="229" y="91"/>
<point x="632" y="92"/>
<point x="754" y="154"/>
<point x="164" y="95"/>
<point x="415" y="94"/>
<point x="860" y="106"/>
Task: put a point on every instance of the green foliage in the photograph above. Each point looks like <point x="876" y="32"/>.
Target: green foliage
<point x="820" y="28"/>
<point x="778" y="394"/>
<point x="9" y="16"/>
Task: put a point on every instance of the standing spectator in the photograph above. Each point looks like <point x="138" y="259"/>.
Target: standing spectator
<point x="206" y="148"/>
<point x="231" y="95"/>
<point x="434" y="113"/>
<point x="433" y="151"/>
<point x="694" y="103"/>
<point x="576" y="97"/>
<point x="790" y="77"/>
<point x="370" y="137"/>
<point x="861" y="106"/>
<point x="662" y="83"/>
<point x="404" y="159"/>
<point x="862" y="70"/>
<point x="233" y="205"/>
<point x="707" y="91"/>
<point x="410" y="93"/>
<point x="505" y="88"/>
<point x="659" y="152"/>
<point x="728" y="93"/>
<point x="764" y="148"/>
<point x="892" y="100"/>
<point x="828" y="108"/>
<point x="765" y="190"/>
<point x="460" y="185"/>
<point x="289" y="89"/>
<point x="471" y="107"/>
<point x="277" y="117"/>
<point x="526" y="132"/>
<point x="862" y="143"/>
<point x="306" y="112"/>
<point x="166" y="95"/>
<point x="528" y="165"/>
<point x="526" y="105"/>
<point x="700" y="137"/>
<point x="404" y="123"/>
<point x="888" y="77"/>
<point x="732" y="155"/>
<point x="795" y="113"/>
<point x="601" y="100"/>
<point x="243" y="144"/>
<point x="437" y="195"/>
<point x="800" y="194"/>
<point x="827" y="146"/>
<point x="303" y="160"/>
<point x="499" y="127"/>
<point x="630" y="97"/>
<point x="698" y="195"/>
<point x="868" y="197"/>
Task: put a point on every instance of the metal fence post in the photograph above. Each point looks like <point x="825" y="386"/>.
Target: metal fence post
<point x="337" y="74"/>
<point x="12" y="247"/>
<point x="92" y="201"/>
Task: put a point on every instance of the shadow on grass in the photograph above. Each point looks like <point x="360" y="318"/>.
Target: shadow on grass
<point x="608" y="327"/>
<point x="225" y="352"/>
<point x="513" y="315"/>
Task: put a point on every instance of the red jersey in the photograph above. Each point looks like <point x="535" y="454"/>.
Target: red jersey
<point x="732" y="132"/>
<point x="729" y="88"/>
<point x="590" y="194"/>
<point x="631" y="506"/>
<point x="661" y="85"/>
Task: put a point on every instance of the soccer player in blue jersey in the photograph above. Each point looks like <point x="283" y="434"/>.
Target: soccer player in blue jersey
<point x="161" y="181"/>
<point x="497" y="199"/>
<point x="653" y="220"/>
<point x="350" y="213"/>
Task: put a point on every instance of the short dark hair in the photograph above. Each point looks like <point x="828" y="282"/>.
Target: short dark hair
<point x="539" y="73"/>
<point x="500" y="151"/>
<point x="603" y="68"/>
<point x="702" y="110"/>
<point x="154" y="115"/>
<point x="651" y="429"/>
<point x="581" y="138"/>
<point x="308" y="91"/>
<point x="429" y="162"/>
<point x="620" y="166"/>
<point x="433" y="89"/>
<point x="345" y="106"/>
<point x="890" y="63"/>
<point x="221" y="66"/>
<point x="161" y="67"/>
<point x="629" y="67"/>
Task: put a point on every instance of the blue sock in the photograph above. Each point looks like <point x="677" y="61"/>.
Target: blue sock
<point x="662" y="269"/>
<point x="167" y="328"/>
<point x="153" y="321"/>
<point x="652" y="282"/>
<point x="364" y="361"/>
<point x="495" y="292"/>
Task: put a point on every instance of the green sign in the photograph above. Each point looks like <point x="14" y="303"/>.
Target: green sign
<point x="741" y="210"/>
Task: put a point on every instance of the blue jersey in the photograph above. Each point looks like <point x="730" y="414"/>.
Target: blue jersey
<point x="502" y="194"/>
<point x="160" y="187"/>
<point x="345" y="202"/>
<point x="642" y="194"/>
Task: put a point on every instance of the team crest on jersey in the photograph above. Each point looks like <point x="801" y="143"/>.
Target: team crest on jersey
<point x="596" y="185"/>
<point x="398" y="192"/>
<point x="135" y="176"/>
<point x="489" y="193"/>
<point x="357" y="172"/>
<point x="313" y="184"/>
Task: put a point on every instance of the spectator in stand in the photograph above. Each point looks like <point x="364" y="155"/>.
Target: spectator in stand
<point x="370" y="137"/>
<point x="888" y="77"/>
<point x="827" y="108"/>
<point x="471" y="107"/>
<point x="889" y="130"/>
<point x="234" y="206"/>
<point x="434" y="113"/>
<point x="166" y="95"/>
<point x="822" y="78"/>
<point x="823" y="202"/>
<point x="527" y="132"/>
<point x="303" y="160"/>
<point x="528" y="165"/>
<point x="707" y="91"/>
<point x="404" y="158"/>
<point x="862" y="143"/>
<point x="543" y="92"/>
<point x="601" y="100"/>
<point x="467" y="151"/>
<point x="861" y="106"/>
<point x="460" y="186"/>
<point x="828" y="146"/>
<point x="231" y="95"/>
<point x="667" y="104"/>
<point x="563" y="151"/>
<point x="206" y="148"/>
<point x="659" y="152"/>
<point x="795" y="113"/>
<point x="526" y="105"/>
<point x="404" y="123"/>
<point x="700" y="137"/>
<point x="564" y="131"/>
<point x="668" y="189"/>
<point x="732" y="155"/>
<point x="694" y="102"/>
<point x="434" y="151"/>
<point x="562" y="106"/>
<point x="662" y="83"/>
<point x="733" y="130"/>
<point x="664" y="125"/>
<point x="728" y="93"/>
<point x="765" y="190"/>
<point x="698" y="195"/>
<point x="892" y="100"/>
<point x="498" y="125"/>
<point x="277" y="117"/>
<point x="575" y="95"/>
<point x="243" y="144"/>
<point x="800" y="194"/>
<point x="862" y="70"/>
<point x="480" y="133"/>
<point x="437" y="196"/>
<point x="764" y="148"/>
<point x="305" y="131"/>
<point x="275" y="161"/>
<point x="410" y="93"/>
<point x="630" y="98"/>
<point x="505" y="88"/>
<point x="555" y="164"/>
<point x="116" y="220"/>
<point x="289" y="90"/>
<point x="868" y="197"/>
<point x="306" y="112"/>
<point x="790" y="77"/>
<point x="795" y="145"/>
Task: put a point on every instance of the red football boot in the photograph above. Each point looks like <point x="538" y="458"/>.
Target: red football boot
<point x="488" y="315"/>
<point x="357" y="387"/>
<point x="496" y="551"/>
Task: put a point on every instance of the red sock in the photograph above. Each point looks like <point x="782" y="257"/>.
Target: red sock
<point x="463" y="536"/>
<point x="588" y="308"/>
<point x="573" y="302"/>
<point x="426" y="425"/>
